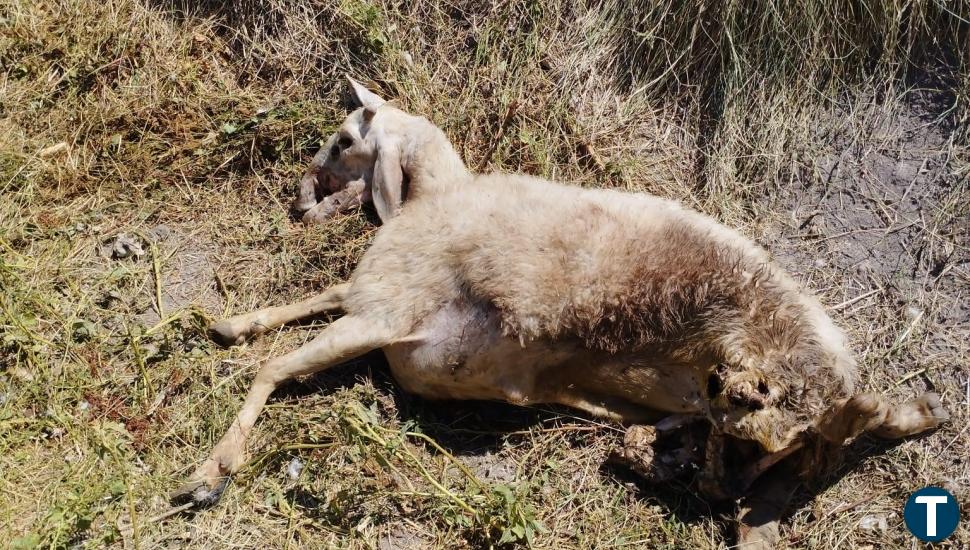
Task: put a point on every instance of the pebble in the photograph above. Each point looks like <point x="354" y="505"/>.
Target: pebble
<point x="159" y="233"/>
<point x="126" y="246"/>
<point x="874" y="523"/>
<point x="294" y="469"/>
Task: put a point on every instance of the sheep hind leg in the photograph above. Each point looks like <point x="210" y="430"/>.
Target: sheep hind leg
<point x="762" y="510"/>
<point x="344" y="339"/>
<point x="760" y="514"/>
<point x="870" y="412"/>
<point x="237" y="329"/>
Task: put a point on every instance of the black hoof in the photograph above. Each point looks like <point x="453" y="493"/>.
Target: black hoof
<point x="198" y="493"/>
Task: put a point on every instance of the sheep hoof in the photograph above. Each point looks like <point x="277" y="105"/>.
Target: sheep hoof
<point x="225" y="334"/>
<point x="760" y="537"/>
<point x="933" y="408"/>
<point x="658" y="457"/>
<point x="199" y="492"/>
<point x="300" y="206"/>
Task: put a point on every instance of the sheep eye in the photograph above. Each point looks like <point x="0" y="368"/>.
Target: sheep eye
<point x="345" y="142"/>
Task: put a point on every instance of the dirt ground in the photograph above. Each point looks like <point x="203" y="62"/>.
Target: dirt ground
<point x="185" y="133"/>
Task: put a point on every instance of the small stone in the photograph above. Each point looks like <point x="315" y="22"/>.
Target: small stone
<point x="874" y="523"/>
<point x="913" y="313"/>
<point x="22" y="374"/>
<point x="57" y="148"/>
<point x="294" y="469"/>
<point x="951" y="485"/>
<point x="159" y="233"/>
<point x="126" y="246"/>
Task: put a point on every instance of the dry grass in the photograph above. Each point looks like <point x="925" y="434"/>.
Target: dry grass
<point x="833" y="132"/>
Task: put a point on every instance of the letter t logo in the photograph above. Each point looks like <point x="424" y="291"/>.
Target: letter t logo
<point x="931" y="502"/>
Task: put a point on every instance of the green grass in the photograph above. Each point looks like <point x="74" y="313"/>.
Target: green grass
<point x="818" y="129"/>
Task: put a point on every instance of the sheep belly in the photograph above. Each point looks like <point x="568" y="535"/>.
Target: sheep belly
<point x="460" y="352"/>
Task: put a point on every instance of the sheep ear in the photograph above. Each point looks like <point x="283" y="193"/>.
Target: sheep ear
<point x="388" y="180"/>
<point x="364" y="97"/>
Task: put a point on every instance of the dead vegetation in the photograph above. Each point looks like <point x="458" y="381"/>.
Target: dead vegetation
<point x="834" y="133"/>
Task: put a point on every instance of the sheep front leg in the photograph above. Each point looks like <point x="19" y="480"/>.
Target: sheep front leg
<point x="237" y="329"/>
<point x="714" y="481"/>
<point x="664" y="451"/>
<point x="341" y="201"/>
<point x="306" y="196"/>
<point x="344" y="339"/>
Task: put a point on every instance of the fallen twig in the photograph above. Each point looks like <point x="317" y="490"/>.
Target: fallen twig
<point x="157" y="272"/>
<point x="53" y="150"/>
<point x="851" y="301"/>
<point x="909" y="376"/>
<point x="128" y="531"/>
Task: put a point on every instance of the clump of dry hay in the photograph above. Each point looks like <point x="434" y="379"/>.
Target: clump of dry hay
<point x="835" y="133"/>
